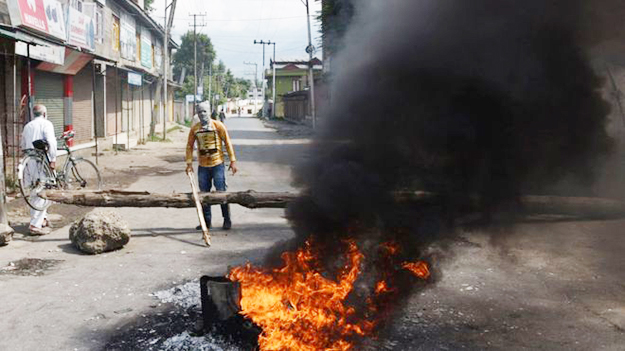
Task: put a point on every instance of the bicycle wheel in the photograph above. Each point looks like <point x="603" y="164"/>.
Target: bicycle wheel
<point x="35" y="175"/>
<point x="82" y="174"/>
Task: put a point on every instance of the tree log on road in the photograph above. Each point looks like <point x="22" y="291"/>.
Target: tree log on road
<point x="543" y="205"/>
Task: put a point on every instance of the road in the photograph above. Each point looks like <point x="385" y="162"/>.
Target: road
<point x="78" y="300"/>
<point x="547" y="284"/>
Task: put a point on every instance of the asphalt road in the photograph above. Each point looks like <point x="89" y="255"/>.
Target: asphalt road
<point x="72" y="301"/>
<point x="542" y="285"/>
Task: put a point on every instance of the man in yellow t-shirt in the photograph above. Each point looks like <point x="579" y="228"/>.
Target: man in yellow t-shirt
<point x="209" y="135"/>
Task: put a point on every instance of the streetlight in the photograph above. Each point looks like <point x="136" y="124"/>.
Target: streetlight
<point x="310" y="49"/>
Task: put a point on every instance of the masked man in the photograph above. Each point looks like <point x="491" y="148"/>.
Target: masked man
<point x="210" y="135"/>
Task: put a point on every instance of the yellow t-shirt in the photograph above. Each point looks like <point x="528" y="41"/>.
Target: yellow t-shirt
<point x="209" y="144"/>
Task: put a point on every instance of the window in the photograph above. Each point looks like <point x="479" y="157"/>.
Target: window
<point x="99" y="24"/>
<point x="296" y="84"/>
<point x="115" y="36"/>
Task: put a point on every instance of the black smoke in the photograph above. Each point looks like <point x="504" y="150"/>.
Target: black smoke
<point x="479" y="100"/>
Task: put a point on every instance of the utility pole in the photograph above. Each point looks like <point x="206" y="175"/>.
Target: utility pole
<point x="195" y="25"/>
<point x="310" y="49"/>
<point x="263" y="43"/>
<point x="167" y="27"/>
<point x="255" y="80"/>
<point x="273" y="110"/>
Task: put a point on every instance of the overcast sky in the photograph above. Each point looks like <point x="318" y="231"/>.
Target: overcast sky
<point x="233" y="25"/>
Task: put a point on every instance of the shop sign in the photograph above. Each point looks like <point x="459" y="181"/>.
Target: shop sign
<point x="45" y="16"/>
<point x="134" y="79"/>
<point x="51" y="53"/>
<point x="128" y="37"/>
<point x="81" y="30"/>
<point x="56" y="19"/>
<point x="146" y="48"/>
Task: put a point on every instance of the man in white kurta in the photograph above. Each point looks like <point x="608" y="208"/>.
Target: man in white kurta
<point x="40" y="128"/>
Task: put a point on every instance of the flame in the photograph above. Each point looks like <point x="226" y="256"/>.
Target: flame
<point x="299" y="307"/>
<point x="419" y="268"/>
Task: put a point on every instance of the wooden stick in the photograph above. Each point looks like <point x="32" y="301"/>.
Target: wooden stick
<point x="200" y="212"/>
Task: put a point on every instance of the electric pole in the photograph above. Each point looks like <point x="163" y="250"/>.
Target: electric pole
<point x="195" y="25"/>
<point x="263" y="43"/>
<point x="310" y="49"/>
<point x="255" y="80"/>
<point x="167" y="26"/>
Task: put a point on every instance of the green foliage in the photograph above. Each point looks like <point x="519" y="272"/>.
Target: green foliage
<point x="335" y="17"/>
<point x="222" y="83"/>
<point x="148" y="5"/>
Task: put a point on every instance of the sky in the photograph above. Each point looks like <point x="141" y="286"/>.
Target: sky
<point x="233" y="25"/>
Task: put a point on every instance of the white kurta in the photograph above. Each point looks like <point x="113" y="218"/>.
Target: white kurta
<point x="39" y="129"/>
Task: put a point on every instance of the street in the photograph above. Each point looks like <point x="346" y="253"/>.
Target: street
<point x="73" y="303"/>
<point x="549" y="284"/>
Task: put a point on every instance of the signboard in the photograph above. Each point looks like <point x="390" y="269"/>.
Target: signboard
<point x="146" y="48"/>
<point x="134" y="79"/>
<point x="52" y="53"/>
<point x="45" y="16"/>
<point x="200" y="90"/>
<point x="128" y="37"/>
<point x="81" y="30"/>
<point x="198" y="98"/>
<point x="158" y="56"/>
<point x="56" y="18"/>
<point x="33" y="14"/>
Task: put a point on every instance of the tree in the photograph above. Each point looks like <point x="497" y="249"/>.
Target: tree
<point x="184" y="58"/>
<point x="148" y="5"/>
<point x="335" y="17"/>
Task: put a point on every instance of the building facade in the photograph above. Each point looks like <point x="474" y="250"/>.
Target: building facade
<point x="291" y="77"/>
<point x="95" y="64"/>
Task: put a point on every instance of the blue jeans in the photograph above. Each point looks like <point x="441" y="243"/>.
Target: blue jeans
<point x="207" y="176"/>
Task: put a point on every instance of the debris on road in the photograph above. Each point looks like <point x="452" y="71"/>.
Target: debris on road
<point x="99" y="231"/>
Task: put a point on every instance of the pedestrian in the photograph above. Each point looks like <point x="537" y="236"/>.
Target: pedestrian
<point x="40" y="128"/>
<point x="214" y="115"/>
<point x="222" y="116"/>
<point x="209" y="135"/>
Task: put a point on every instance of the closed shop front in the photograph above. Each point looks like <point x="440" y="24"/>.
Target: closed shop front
<point x="49" y="92"/>
<point x="83" y="108"/>
<point x="113" y="102"/>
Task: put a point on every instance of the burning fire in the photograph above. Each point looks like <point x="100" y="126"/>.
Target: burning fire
<point x="299" y="308"/>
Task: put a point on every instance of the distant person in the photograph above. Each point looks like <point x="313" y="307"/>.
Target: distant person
<point x="40" y="128"/>
<point x="214" y="115"/>
<point x="209" y="135"/>
<point x="222" y="116"/>
<point x="239" y="111"/>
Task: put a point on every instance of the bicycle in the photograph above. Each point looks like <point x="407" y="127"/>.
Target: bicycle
<point x="35" y="173"/>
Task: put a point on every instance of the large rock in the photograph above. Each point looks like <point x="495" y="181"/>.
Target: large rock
<point x="99" y="231"/>
<point x="6" y="234"/>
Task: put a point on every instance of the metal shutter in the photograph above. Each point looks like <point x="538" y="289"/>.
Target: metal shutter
<point x="49" y="92"/>
<point x="83" y="108"/>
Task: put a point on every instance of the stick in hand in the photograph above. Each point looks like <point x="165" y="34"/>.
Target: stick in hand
<point x="200" y="213"/>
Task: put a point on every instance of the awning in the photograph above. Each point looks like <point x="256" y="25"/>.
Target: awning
<point x="74" y="62"/>
<point x="19" y="36"/>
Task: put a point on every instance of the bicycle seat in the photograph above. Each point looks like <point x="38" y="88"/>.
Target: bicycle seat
<point x="41" y="145"/>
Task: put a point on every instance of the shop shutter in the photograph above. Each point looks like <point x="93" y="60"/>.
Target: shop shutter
<point x="83" y="108"/>
<point x="49" y="92"/>
<point x="113" y="110"/>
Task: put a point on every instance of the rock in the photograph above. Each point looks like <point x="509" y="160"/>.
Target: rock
<point x="6" y="234"/>
<point x="99" y="231"/>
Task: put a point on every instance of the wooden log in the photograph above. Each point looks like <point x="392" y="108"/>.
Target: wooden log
<point x="121" y="198"/>
<point x="546" y="205"/>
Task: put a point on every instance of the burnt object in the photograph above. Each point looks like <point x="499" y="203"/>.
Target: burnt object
<point x="221" y="304"/>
